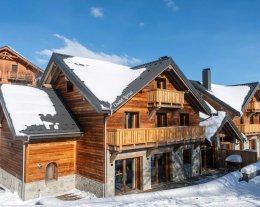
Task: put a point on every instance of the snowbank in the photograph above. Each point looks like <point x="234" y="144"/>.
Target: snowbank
<point x="251" y="168"/>
<point x="104" y="79"/>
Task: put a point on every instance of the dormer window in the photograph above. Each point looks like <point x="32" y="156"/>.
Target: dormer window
<point x="161" y="83"/>
<point x="69" y="86"/>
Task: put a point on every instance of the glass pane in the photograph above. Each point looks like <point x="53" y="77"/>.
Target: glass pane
<point x="118" y="176"/>
<point x="129" y="174"/>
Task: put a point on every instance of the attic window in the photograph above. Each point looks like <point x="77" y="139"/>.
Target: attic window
<point x="14" y="69"/>
<point x="69" y="86"/>
<point x="161" y="83"/>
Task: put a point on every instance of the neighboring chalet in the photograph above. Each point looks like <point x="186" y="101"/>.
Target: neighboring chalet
<point x="221" y="133"/>
<point x="103" y="128"/>
<point x="14" y="68"/>
<point x="241" y="102"/>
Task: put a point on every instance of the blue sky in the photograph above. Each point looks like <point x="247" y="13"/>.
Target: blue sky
<point x="221" y="34"/>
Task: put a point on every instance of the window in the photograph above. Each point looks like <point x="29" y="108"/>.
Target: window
<point x="252" y="119"/>
<point x="51" y="172"/>
<point x="186" y="156"/>
<point x="14" y="68"/>
<point x="161" y="83"/>
<point x="252" y="144"/>
<point x="161" y="119"/>
<point x="131" y="120"/>
<point x="69" y="86"/>
<point x="184" y="120"/>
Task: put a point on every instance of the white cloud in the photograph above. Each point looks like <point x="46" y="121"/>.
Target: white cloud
<point x="141" y="24"/>
<point x="172" y="5"/>
<point x="74" y="48"/>
<point x="96" y="12"/>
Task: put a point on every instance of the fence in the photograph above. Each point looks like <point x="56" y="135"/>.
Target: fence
<point x="248" y="157"/>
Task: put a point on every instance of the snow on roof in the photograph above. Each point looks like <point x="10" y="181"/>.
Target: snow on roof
<point x="231" y="95"/>
<point x="104" y="79"/>
<point x="25" y="105"/>
<point x="212" y="123"/>
<point x="213" y="110"/>
<point x="234" y="158"/>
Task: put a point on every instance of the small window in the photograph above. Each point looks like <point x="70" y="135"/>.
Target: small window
<point x="14" y="68"/>
<point x="161" y="119"/>
<point x="187" y="156"/>
<point x="252" y="119"/>
<point x="161" y="83"/>
<point x="252" y="144"/>
<point x="184" y="120"/>
<point x="69" y="86"/>
<point x="131" y="120"/>
<point x="51" y="172"/>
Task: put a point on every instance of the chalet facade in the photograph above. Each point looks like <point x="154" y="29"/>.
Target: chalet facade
<point x="128" y="129"/>
<point x="241" y="102"/>
<point x="14" y="68"/>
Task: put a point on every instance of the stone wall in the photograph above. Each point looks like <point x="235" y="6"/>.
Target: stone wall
<point x="10" y="182"/>
<point x="89" y="185"/>
<point x="180" y="171"/>
<point x="42" y="188"/>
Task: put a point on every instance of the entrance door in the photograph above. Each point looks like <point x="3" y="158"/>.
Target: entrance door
<point x="127" y="175"/>
<point x="160" y="168"/>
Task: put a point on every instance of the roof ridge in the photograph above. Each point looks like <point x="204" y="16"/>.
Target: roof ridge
<point x="160" y="59"/>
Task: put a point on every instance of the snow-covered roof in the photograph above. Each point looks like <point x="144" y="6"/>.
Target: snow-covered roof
<point x="104" y="79"/>
<point x="212" y="123"/>
<point x="33" y="111"/>
<point x="234" y="96"/>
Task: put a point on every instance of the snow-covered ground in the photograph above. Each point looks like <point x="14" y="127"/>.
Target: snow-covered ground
<point x="224" y="191"/>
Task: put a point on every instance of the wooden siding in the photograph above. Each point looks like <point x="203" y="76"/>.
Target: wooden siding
<point x="44" y="152"/>
<point x="11" y="152"/>
<point x="90" y="153"/>
<point x="147" y="116"/>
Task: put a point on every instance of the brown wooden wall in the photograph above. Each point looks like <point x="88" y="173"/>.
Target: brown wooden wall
<point x="62" y="152"/>
<point x="139" y="104"/>
<point x="6" y="68"/>
<point x="90" y="147"/>
<point x="11" y="152"/>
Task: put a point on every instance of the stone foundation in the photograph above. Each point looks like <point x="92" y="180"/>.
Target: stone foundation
<point x="92" y="186"/>
<point x="41" y="188"/>
<point x="10" y="182"/>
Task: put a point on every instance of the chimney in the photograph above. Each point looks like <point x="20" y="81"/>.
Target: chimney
<point x="206" y="78"/>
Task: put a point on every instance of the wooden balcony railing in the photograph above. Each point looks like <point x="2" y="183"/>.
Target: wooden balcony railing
<point x="20" y="76"/>
<point x="249" y="128"/>
<point x="122" y="139"/>
<point x="254" y="106"/>
<point x="163" y="97"/>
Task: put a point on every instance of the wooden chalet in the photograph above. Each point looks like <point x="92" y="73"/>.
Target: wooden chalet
<point x="128" y="129"/>
<point x="241" y="103"/>
<point x="14" y="68"/>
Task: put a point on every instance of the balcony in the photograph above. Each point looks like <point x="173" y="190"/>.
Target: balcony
<point x="253" y="107"/>
<point x="125" y="139"/>
<point x="165" y="98"/>
<point x="249" y="128"/>
<point x="20" y="76"/>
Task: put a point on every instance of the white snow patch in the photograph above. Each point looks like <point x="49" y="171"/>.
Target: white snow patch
<point x="104" y="79"/>
<point x="25" y="105"/>
<point x="234" y="96"/>
<point x="234" y="158"/>
<point x="251" y="168"/>
<point x="212" y="109"/>
<point x="212" y="124"/>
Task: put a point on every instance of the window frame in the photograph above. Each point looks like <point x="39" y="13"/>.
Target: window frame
<point x="127" y="121"/>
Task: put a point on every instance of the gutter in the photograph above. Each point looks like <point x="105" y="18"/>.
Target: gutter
<point x="24" y="157"/>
